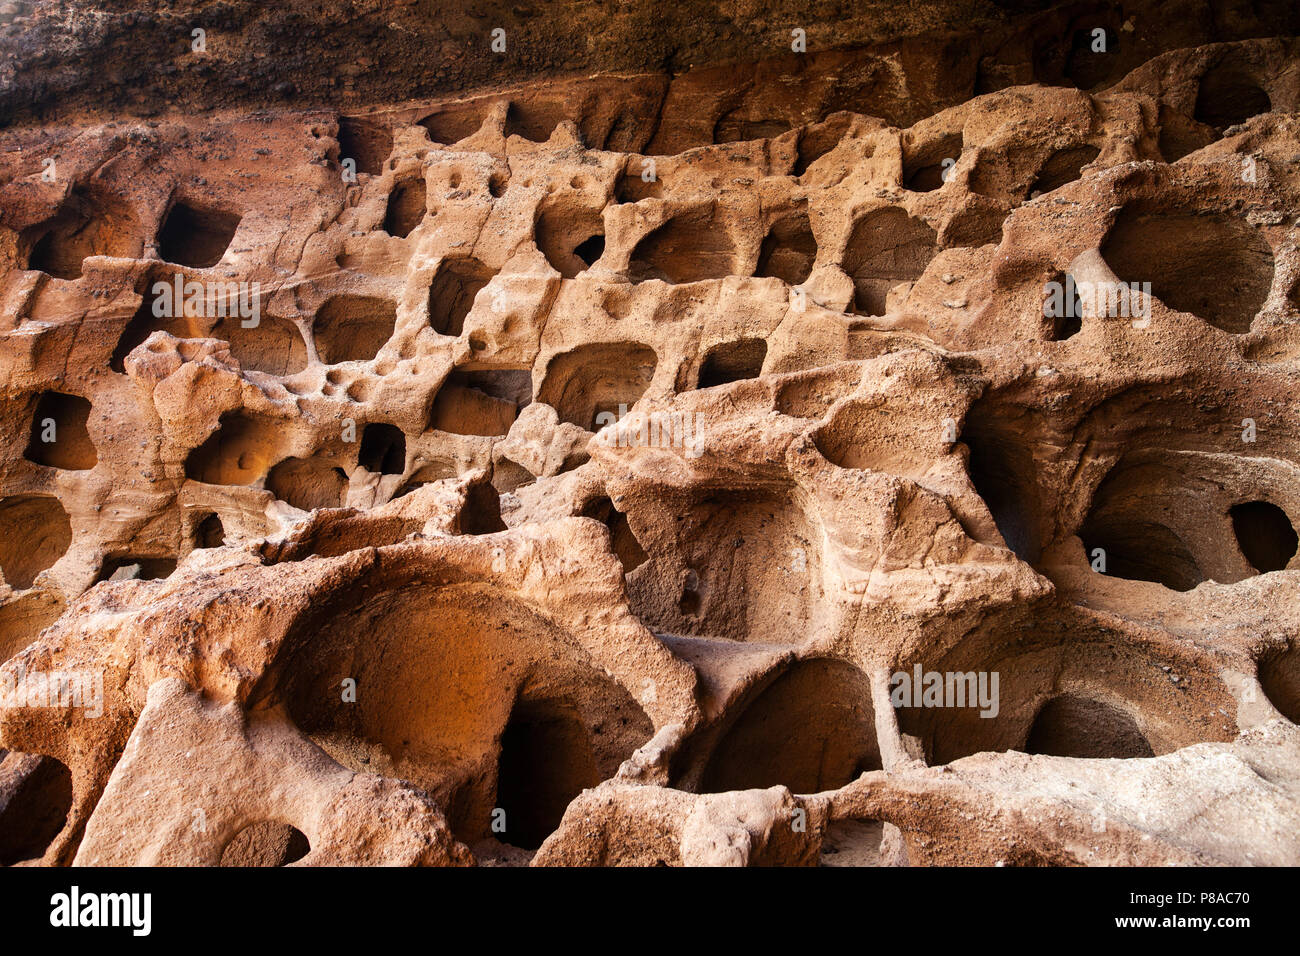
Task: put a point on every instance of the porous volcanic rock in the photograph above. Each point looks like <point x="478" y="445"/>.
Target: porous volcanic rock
<point x="606" y="451"/>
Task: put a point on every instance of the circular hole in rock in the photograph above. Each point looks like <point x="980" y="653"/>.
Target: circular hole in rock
<point x="34" y="534"/>
<point x="1074" y="726"/>
<point x="789" y="250"/>
<point x="406" y="208"/>
<point x="1228" y="95"/>
<point x="811" y="729"/>
<point x="1062" y="307"/>
<point x="887" y="248"/>
<point x="1265" y="535"/>
<point x="266" y="844"/>
<point x="546" y="761"/>
<point x="35" y="800"/>
<point x="196" y="236"/>
<point x="1216" y="267"/>
<point x="733" y="362"/>
<point x="1280" y="678"/>
<point x="209" y="532"/>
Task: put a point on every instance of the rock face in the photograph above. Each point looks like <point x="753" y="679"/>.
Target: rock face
<point x="884" y="455"/>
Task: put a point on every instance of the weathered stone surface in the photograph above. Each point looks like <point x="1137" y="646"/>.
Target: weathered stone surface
<point x="607" y="454"/>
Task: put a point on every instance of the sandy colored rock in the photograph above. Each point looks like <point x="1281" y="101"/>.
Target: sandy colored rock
<point x="582" y="471"/>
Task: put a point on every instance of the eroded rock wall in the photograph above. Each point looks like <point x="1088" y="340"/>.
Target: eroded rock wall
<point x="576" y="473"/>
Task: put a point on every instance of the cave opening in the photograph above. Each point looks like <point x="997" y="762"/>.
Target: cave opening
<point x="1075" y="726"/>
<point x="546" y="761"/>
<point x="1265" y="534"/>
<point x="268" y="844"/>
<point x="196" y="236"/>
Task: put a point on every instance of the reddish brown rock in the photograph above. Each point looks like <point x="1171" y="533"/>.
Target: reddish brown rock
<point x="599" y="461"/>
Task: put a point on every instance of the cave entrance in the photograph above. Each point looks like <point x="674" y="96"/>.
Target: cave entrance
<point x="34" y="533"/>
<point x="266" y="844"/>
<point x="1074" y="726"/>
<point x="733" y="362"/>
<point x="34" y="811"/>
<point x="353" y="328"/>
<point x="308" y="483"/>
<point x="406" y="207"/>
<point x="1228" y="95"/>
<point x="366" y="142"/>
<point x="546" y="761"/>
<point x="481" y="512"/>
<point x="789" y="250"/>
<point x="59" y="436"/>
<point x="481" y="402"/>
<point x="129" y="567"/>
<point x="209" y="532"/>
<point x="812" y="729"/>
<point x="1216" y="267"/>
<point x="595" y="378"/>
<point x="1279" y="676"/>
<point x="1265" y="535"/>
<point x="383" y="449"/>
<point x="691" y="247"/>
<point x="1004" y="474"/>
<point x="853" y="843"/>
<point x="195" y="236"/>
<point x="622" y="539"/>
<point x="887" y="249"/>
<point x="452" y="292"/>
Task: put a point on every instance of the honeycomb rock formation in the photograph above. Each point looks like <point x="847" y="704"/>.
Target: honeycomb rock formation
<point x="606" y="452"/>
